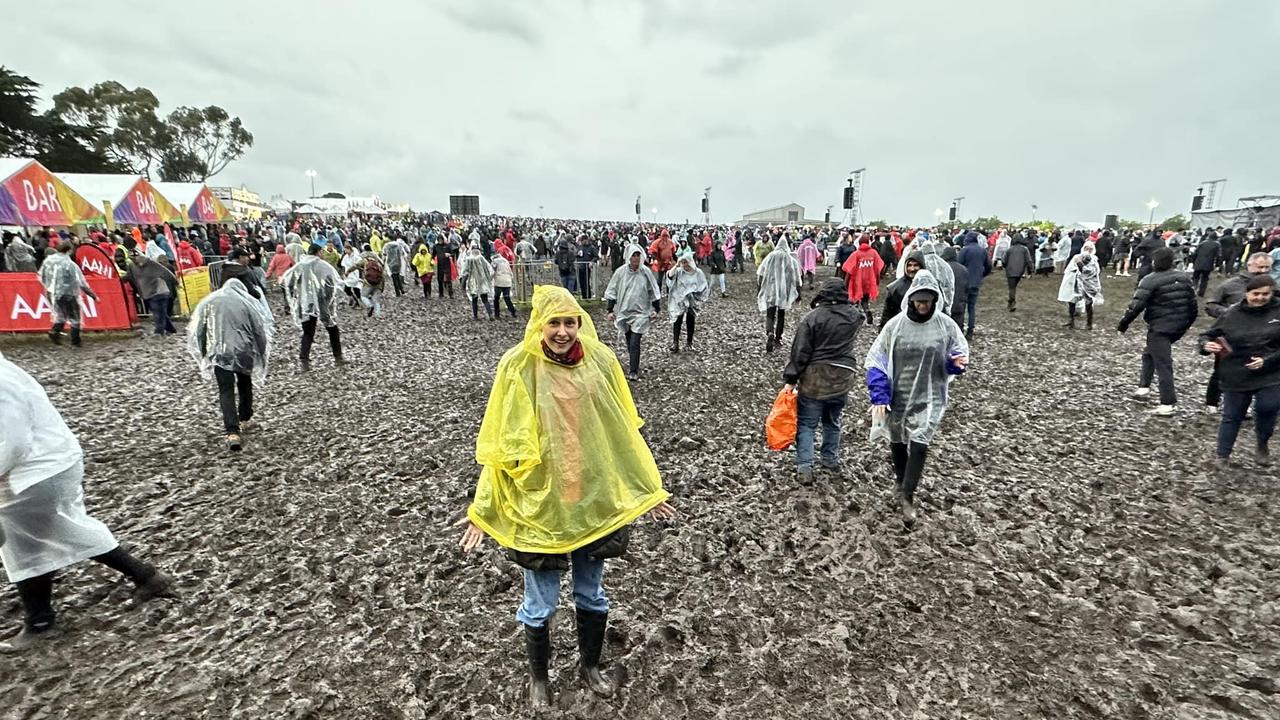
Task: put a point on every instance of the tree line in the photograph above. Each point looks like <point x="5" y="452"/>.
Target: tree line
<point x="109" y="128"/>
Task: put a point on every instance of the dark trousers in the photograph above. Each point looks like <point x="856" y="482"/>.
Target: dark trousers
<point x="1235" y="403"/>
<point x="475" y="306"/>
<point x="229" y="383"/>
<point x="1200" y="278"/>
<point x="584" y="281"/>
<point x="775" y="320"/>
<point x="501" y="294"/>
<point x="569" y="282"/>
<point x="397" y="281"/>
<point x="957" y="314"/>
<point x="908" y="465"/>
<point x="36" y="593"/>
<point x="426" y="285"/>
<point x="1157" y="359"/>
<point x="971" y="301"/>
<point x="690" y="315"/>
<point x="444" y="282"/>
<point x="633" y="351"/>
<point x="1013" y="291"/>
<point x="1213" y="393"/>
<point x="309" y="337"/>
<point x="159" y="308"/>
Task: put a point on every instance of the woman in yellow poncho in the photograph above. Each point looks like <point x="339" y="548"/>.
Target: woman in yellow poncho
<point x="565" y="471"/>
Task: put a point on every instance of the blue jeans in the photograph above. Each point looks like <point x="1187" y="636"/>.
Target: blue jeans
<point x="809" y="413"/>
<point x="1266" y="405"/>
<point x="159" y="308"/>
<point x="971" y="303"/>
<point x="569" y="282"/>
<point x="542" y="590"/>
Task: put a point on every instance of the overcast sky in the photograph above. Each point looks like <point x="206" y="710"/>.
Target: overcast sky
<point x="1084" y="107"/>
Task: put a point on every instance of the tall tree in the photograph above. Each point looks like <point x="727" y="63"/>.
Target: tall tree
<point x="46" y="137"/>
<point x="20" y="125"/>
<point x="126" y="128"/>
<point x="204" y="142"/>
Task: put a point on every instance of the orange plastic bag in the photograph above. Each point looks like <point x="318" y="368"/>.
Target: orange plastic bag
<point x="780" y="426"/>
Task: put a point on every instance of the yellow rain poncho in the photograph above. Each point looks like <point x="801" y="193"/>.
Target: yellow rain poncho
<point x="563" y="461"/>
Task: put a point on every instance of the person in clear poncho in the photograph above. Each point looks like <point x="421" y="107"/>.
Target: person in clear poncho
<point x="44" y="526"/>
<point x="933" y="262"/>
<point x="1081" y="285"/>
<point x="779" y="276"/>
<point x="633" y="300"/>
<point x="311" y="287"/>
<point x="230" y="338"/>
<point x="476" y="275"/>
<point x="63" y="282"/>
<point x="909" y="367"/>
<point x="564" y="472"/>
<point x="687" y="292"/>
<point x="19" y="256"/>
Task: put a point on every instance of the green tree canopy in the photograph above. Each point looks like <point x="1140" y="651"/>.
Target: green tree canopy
<point x="125" y="126"/>
<point x="204" y="141"/>
<point x="1176" y="222"/>
<point x="46" y="137"/>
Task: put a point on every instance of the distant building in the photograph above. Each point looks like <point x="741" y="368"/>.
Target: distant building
<point x="243" y="203"/>
<point x="789" y="214"/>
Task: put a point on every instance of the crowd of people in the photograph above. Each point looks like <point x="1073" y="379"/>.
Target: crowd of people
<point x="561" y="424"/>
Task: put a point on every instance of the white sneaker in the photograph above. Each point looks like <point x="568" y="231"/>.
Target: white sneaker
<point x="1210" y="410"/>
<point x="1164" y="411"/>
<point x="1142" y="392"/>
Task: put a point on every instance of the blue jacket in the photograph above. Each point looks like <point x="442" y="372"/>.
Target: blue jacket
<point x="974" y="258"/>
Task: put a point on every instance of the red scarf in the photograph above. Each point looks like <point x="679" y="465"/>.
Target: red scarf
<point x="569" y="359"/>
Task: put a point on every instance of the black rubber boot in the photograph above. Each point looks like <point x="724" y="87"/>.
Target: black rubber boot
<point x="75" y="336"/>
<point x="55" y="334"/>
<point x="1071" y="314"/>
<point x="1088" y="316"/>
<point x="537" y="642"/>
<point x="591" y="627"/>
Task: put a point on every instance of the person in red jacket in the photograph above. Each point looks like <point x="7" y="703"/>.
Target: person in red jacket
<point x="663" y="254"/>
<point x="224" y="244"/>
<point x="704" y="247"/>
<point x="862" y="271"/>
<point x="188" y="256"/>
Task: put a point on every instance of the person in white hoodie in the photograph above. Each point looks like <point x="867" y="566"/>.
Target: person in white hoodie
<point x="44" y="526"/>
<point x="502" y="280"/>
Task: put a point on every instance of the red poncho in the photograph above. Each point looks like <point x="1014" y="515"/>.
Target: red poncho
<point x="862" y="272"/>
<point x="662" y="254"/>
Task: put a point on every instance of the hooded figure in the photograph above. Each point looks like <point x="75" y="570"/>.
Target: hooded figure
<point x="564" y="472"/>
<point x="807" y="256"/>
<point x="862" y="270"/>
<point x="311" y="288"/>
<point x="779" y="275"/>
<point x="1081" y="284"/>
<point x="687" y="292"/>
<point x="230" y="338"/>
<point x="19" y="256"/>
<point x="476" y="275"/>
<point x="63" y="282"/>
<point x="632" y="297"/>
<point x="909" y="367"/>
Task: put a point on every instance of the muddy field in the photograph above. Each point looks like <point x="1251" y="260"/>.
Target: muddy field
<point x="1073" y="558"/>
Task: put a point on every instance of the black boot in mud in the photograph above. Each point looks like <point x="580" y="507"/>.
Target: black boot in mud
<point x="591" y="627"/>
<point x="537" y="642"/>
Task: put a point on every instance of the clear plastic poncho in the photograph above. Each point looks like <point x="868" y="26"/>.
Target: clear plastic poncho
<point x="1082" y="278"/>
<point x="20" y="256"/>
<point x="61" y="278"/>
<point x="686" y="289"/>
<point x="476" y="273"/>
<point x="231" y="330"/>
<point x="913" y="356"/>
<point x="563" y="460"/>
<point x="312" y="287"/>
<point x="779" y="275"/>
<point x="633" y="292"/>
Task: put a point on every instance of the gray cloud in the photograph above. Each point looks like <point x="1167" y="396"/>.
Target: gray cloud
<point x="1083" y="108"/>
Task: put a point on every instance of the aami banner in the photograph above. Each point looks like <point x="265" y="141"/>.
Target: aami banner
<point x="24" y="307"/>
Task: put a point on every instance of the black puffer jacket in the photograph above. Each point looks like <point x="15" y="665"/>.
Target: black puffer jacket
<point x="822" y="359"/>
<point x="1206" y="256"/>
<point x="1166" y="300"/>
<point x="1250" y="332"/>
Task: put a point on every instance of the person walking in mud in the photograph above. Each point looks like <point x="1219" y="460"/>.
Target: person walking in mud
<point x="633" y="300"/>
<point x="821" y="372"/>
<point x="564" y="472"/>
<point x="779" y="276"/>
<point x="687" y="292"/>
<point x="1167" y="302"/>
<point x="44" y="526"/>
<point x="311" y="288"/>
<point x="909" y="368"/>
<point x="230" y="338"/>
<point x="63" y="282"/>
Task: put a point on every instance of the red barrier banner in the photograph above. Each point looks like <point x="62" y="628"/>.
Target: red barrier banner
<point x="24" y="307"/>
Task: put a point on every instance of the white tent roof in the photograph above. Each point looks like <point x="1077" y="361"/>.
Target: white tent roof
<point x="308" y="210"/>
<point x="179" y="193"/>
<point x="99" y="188"/>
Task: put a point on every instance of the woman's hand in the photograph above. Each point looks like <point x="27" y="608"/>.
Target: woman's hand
<point x="789" y="388"/>
<point x="662" y="512"/>
<point x="960" y="361"/>
<point x="879" y="412"/>
<point x="1213" y="347"/>
<point x="471" y="537"/>
<point x="1255" y="363"/>
<point x="611" y="318"/>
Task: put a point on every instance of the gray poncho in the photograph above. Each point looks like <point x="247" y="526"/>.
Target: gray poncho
<point x="633" y="293"/>
<point x="779" y="275"/>
<point x="686" y="289"/>
<point x="311" y="288"/>
<point x="230" y="330"/>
